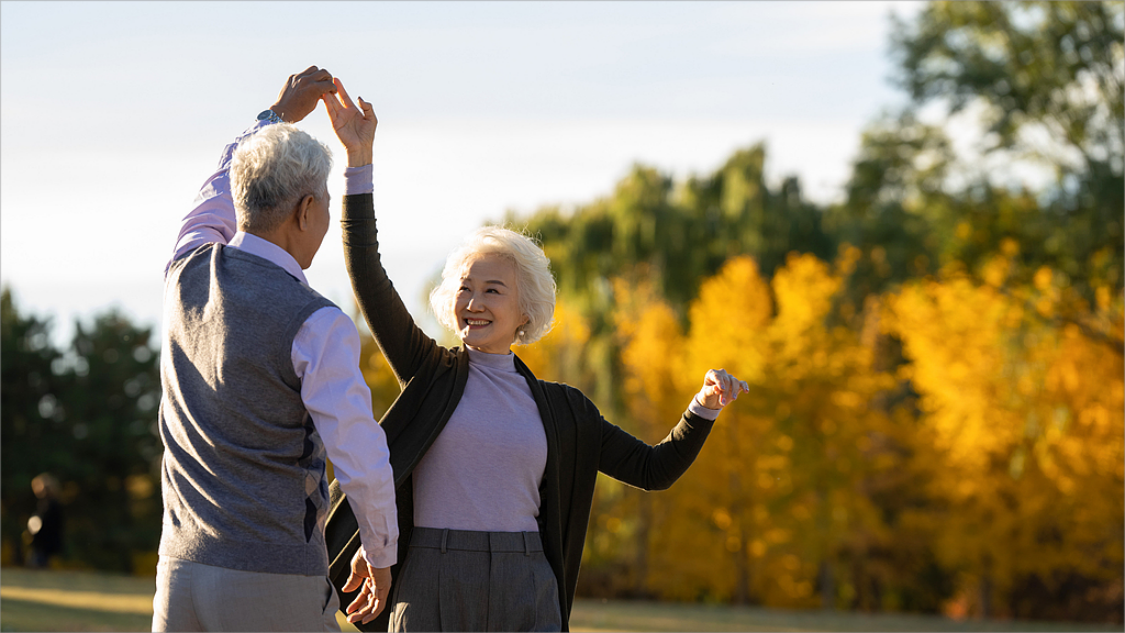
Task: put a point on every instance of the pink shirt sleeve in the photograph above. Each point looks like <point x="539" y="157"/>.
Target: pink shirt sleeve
<point x="212" y="219"/>
<point x="326" y="359"/>
<point x="325" y="356"/>
<point x="359" y="180"/>
<point x="702" y="411"/>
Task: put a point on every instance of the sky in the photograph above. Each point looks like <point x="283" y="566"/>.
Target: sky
<point x="112" y="115"/>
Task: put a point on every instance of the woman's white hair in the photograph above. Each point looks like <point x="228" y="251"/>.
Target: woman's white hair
<point x="271" y="171"/>
<point x="536" y="286"/>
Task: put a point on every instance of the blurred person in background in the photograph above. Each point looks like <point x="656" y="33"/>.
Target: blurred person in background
<point x="494" y="468"/>
<point x="45" y="527"/>
<point x="261" y="381"/>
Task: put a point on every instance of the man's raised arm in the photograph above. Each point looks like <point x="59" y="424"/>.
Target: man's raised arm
<point x="212" y="219"/>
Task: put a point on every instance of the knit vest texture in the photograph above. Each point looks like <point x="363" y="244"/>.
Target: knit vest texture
<point x="243" y="476"/>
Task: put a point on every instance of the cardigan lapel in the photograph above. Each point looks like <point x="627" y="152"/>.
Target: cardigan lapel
<point x="551" y="511"/>
<point x="410" y="433"/>
<point x="550" y="429"/>
<point x="416" y="418"/>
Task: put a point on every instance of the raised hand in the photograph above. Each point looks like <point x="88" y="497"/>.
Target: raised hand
<point x="720" y="389"/>
<point x="376" y="583"/>
<point x="301" y="92"/>
<point x="354" y="126"/>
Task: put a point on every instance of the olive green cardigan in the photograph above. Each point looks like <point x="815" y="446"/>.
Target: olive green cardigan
<point x="580" y="442"/>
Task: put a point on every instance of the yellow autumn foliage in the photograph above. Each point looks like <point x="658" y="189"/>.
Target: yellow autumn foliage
<point x="773" y="495"/>
<point x="992" y="447"/>
<point x="559" y="355"/>
<point x="1026" y="412"/>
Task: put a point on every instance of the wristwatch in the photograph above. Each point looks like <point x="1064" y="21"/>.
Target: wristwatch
<point x="271" y="116"/>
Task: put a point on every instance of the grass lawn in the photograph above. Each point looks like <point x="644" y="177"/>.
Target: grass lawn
<point x="87" y="601"/>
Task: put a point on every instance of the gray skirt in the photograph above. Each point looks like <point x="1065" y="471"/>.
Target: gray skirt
<point x="458" y="580"/>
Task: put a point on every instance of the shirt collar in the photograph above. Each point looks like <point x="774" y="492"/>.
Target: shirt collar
<point x="267" y="250"/>
<point x="495" y="361"/>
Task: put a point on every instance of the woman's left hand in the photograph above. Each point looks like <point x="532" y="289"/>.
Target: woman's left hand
<point x="354" y="126"/>
<point x="720" y="389"/>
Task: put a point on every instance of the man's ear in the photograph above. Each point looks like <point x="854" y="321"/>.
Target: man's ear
<point x="302" y="212"/>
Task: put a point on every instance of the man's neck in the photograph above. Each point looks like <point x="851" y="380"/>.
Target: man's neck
<point x="282" y="238"/>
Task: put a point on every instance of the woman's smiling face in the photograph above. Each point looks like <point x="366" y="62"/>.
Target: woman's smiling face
<point x="487" y="304"/>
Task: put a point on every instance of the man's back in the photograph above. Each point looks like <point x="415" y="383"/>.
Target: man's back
<point x="243" y="472"/>
<point x="261" y="383"/>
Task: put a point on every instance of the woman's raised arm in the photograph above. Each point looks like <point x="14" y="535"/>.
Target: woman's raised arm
<point x="405" y="346"/>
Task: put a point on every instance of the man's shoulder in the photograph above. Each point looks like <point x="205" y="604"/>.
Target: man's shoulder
<point x="273" y="274"/>
<point x="325" y="302"/>
<point x="245" y="278"/>
<point x="201" y="251"/>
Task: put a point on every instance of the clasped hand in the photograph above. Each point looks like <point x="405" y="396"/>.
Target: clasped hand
<point x="300" y="93"/>
<point x="354" y="125"/>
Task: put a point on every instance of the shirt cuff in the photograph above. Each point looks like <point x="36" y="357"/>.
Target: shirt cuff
<point x="697" y="409"/>
<point x="387" y="557"/>
<point x="358" y="180"/>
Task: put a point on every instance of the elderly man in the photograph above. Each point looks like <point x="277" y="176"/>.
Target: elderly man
<point x="261" y="378"/>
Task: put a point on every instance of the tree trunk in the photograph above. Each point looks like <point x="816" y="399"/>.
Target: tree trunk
<point x="986" y="596"/>
<point x="827" y="586"/>
<point x="738" y="510"/>
<point x="644" y="528"/>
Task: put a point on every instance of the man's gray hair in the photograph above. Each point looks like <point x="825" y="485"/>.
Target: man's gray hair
<point x="272" y="171"/>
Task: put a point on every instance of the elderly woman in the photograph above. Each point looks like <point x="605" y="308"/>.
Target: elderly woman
<point x="494" y="468"/>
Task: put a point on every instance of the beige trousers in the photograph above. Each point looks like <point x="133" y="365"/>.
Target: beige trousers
<point x="195" y="597"/>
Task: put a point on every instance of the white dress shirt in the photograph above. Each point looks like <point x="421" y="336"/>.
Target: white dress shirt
<point x="325" y="357"/>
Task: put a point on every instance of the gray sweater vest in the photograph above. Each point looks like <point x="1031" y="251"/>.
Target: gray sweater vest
<point x="243" y="476"/>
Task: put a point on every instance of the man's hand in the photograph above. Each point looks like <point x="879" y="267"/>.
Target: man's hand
<point x="355" y="126"/>
<point x="376" y="583"/>
<point x="301" y="92"/>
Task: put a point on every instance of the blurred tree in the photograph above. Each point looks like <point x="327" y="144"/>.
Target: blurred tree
<point x="721" y="497"/>
<point x="776" y="500"/>
<point x="654" y="395"/>
<point x="895" y="211"/>
<point x="680" y="235"/>
<point x="88" y="416"/>
<point x="30" y="419"/>
<point x="1048" y="80"/>
<point x="561" y="355"/>
<point x="377" y="374"/>
<point x="735" y="212"/>
<point x="1027" y="425"/>
<point x="111" y="393"/>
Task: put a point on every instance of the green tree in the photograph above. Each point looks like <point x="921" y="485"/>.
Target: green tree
<point x="896" y="212"/>
<point x="30" y="421"/>
<point x="1048" y="78"/>
<point x="88" y="416"/>
<point x="679" y="234"/>
<point x="111" y="392"/>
